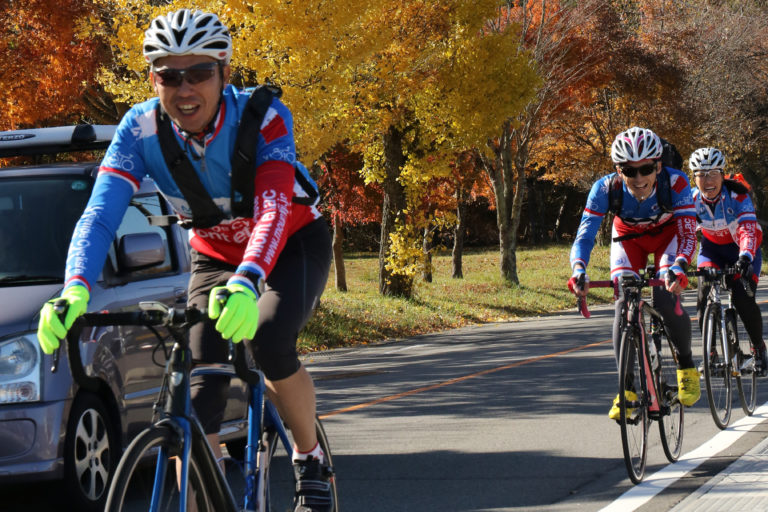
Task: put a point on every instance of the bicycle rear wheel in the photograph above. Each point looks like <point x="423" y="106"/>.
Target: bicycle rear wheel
<point x="746" y="380"/>
<point x="633" y="418"/>
<point x="281" y="481"/>
<point x="671" y="426"/>
<point x="717" y="375"/>
<point x="143" y="472"/>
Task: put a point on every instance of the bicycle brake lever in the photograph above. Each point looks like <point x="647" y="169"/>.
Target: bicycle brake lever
<point x="222" y="296"/>
<point x="165" y="311"/>
<point x="60" y="308"/>
<point x="582" y="307"/>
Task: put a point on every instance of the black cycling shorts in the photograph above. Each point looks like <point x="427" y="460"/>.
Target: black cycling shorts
<point x="292" y="290"/>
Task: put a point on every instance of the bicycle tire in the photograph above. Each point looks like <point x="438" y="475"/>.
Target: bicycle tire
<point x="717" y="375"/>
<point x="633" y="417"/>
<point x="133" y="484"/>
<point x="746" y="381"/>
<point x="671" y="421"/>
<point x="281" y="481"/>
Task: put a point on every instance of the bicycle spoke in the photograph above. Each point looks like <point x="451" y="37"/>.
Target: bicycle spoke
<point x="633" y="413"/>
<point x="671" y="421"/>
<point x="746" y="378"/>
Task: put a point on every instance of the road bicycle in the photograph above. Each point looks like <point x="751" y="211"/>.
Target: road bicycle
<point x="725" y="357"/>
<point x="648" y="370"/>
<point x="146" y="477"/>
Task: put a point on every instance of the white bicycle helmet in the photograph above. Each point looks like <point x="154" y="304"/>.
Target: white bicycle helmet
<point x="704" y="159"/>
<point x="186" y="32"/>
<point x="634" y="145"/>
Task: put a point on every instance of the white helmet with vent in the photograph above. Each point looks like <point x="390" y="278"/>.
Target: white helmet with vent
<point x="634" y="145"/>
<point x="186" y="32"/>
<point x="705" y="159"/>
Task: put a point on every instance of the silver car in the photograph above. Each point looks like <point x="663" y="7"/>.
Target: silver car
<point x="49" y="428"/>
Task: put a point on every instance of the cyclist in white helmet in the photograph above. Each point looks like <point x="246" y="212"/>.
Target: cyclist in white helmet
<point x="731" y="236"/>
<point x="274" y="260"/>
<point x="653" y="216"/>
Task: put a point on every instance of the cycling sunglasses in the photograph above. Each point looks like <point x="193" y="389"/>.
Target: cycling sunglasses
<point x="711" y="173"/>
<point x="170" y="77"/>
<point x="631" y="172"/>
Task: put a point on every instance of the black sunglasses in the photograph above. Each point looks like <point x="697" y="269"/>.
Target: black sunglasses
<point x="631" y="172"/>
<point x="170" y="77"/>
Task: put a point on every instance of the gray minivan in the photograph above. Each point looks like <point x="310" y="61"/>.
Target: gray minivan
<point x="49" y="428"/>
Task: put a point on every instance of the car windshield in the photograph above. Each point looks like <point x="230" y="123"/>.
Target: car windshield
<point x="37" y="217"/>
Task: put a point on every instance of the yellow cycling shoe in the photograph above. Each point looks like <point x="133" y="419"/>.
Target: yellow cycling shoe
<point x="688" y="389"/>
<point x="615" y="413"/>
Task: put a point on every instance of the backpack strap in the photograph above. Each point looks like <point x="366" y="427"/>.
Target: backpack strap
<point x="733" y="185"/>
<point x="205" y="213"/>
<point x="664" y="191"/>
<point x="244" y="154"/>
<point x="615" y="194"/>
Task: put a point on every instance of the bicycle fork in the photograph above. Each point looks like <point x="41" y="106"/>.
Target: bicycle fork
<point x="258" y="451"/>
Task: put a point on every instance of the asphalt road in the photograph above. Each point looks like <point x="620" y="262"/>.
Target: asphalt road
<point x="508" y="416"/>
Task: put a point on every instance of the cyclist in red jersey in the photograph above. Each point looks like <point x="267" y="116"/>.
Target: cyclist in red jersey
<point x="644" y="226"/>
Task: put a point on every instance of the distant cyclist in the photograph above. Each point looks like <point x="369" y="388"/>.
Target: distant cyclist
<point x="274" y="261"/>
<point x="731" y="236"/>
<point x="654" y="215"/>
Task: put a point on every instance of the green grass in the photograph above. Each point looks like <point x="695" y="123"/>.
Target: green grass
<point x="361" y="315"/>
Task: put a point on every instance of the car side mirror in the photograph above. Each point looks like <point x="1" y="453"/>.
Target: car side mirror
<point x="138" y="251"/>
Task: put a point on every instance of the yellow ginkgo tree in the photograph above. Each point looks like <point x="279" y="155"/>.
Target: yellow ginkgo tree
<point x="405" y="83"/>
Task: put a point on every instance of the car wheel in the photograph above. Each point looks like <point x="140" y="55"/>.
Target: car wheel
<point x="90" y="453"/>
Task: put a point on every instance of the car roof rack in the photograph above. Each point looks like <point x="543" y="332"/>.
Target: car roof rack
<point x="59" y="139"/>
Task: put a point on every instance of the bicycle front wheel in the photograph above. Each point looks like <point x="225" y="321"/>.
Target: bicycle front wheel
<point x="633" y="418"/>
<point x="717" y="375"/>
<point x="146" y="477"/>
<point x="746" y="379"/>
<point x="279" y="475"/>
<point x="672" y="411"/>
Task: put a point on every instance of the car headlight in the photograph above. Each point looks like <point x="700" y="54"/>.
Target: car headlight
<point x="19" y="370"/>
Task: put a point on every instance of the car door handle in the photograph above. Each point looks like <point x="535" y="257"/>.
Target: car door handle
<point x="180" y="294"/>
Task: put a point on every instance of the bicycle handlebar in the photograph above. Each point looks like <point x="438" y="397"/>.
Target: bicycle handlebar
<point x="151" y="314"/>
<point x="712" y="274"/>
<point x="626" y="281"/>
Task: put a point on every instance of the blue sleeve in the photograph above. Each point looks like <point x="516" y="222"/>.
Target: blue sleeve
<point x="96" y="229"/>
<point x="682" y="198"/>
<point x="276" y="141"/>
<point x="594" y="212"/>
<point x="119" y="177"/>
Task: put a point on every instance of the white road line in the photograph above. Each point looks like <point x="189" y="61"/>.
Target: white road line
<point x="654" y="484"/>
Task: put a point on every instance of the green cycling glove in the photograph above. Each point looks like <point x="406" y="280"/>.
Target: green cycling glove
<point x="50" y="330"/>
<point x="238" y="319"/>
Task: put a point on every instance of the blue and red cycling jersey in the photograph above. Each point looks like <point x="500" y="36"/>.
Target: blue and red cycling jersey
<point x="729" y="220"/>
<point x="638" y="216"/>
<point x="251" y="244"/>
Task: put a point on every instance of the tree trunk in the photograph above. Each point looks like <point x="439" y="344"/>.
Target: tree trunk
<point x="338" y="255"/>
<point x="604" y="233"/>
<point x="459" y="232"/>
<point x="558" y="221"/>
<point x="392" y="284"/>
<point x="508" y="193"/>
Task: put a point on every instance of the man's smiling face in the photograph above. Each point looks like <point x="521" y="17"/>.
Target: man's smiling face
<point x="191" y="106"/>
<point x="709" y="182"/>
<point x="639" y="186"/>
